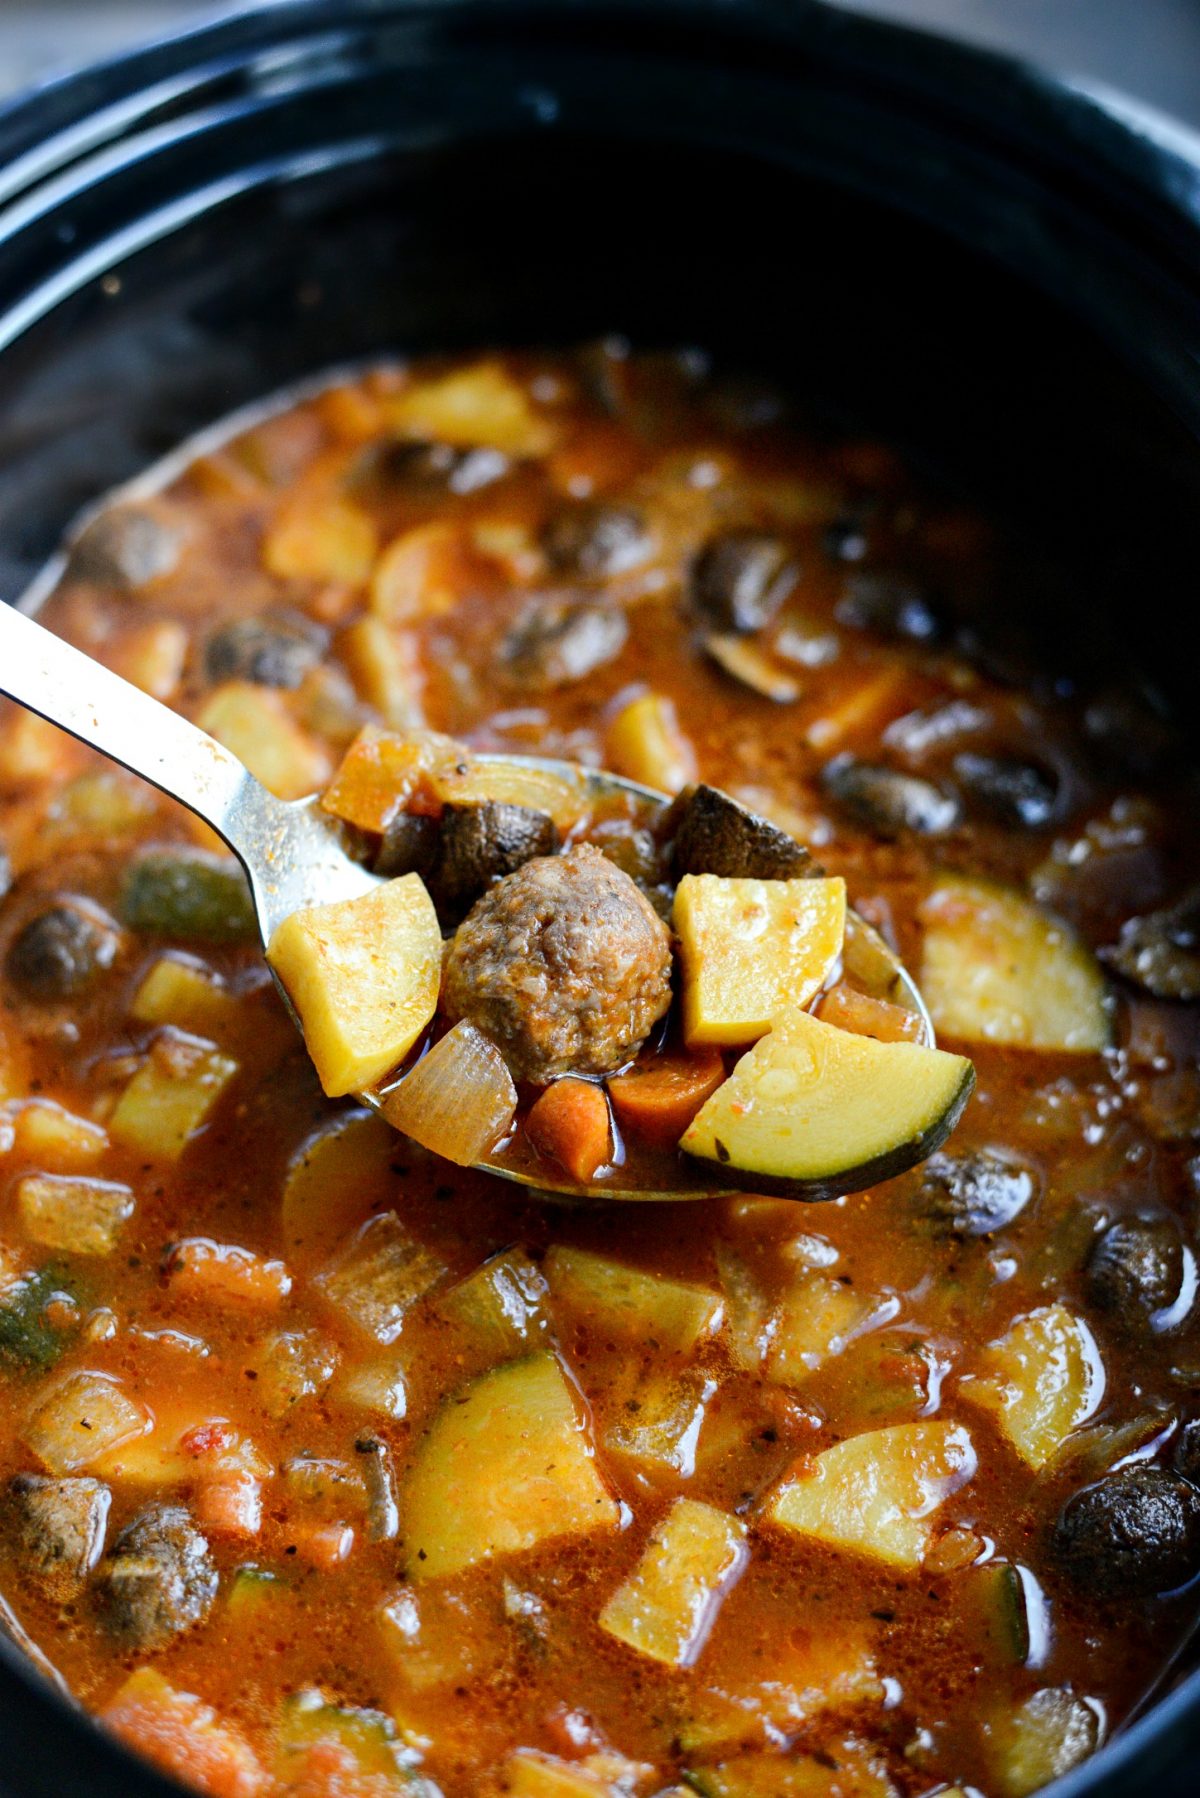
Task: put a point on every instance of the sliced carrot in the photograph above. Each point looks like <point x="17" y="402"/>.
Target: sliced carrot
<point x="323" y="1545"/>
<point x="221" y="1270"/>
<point x="658" y="1101"/>
<point x="182" y="1735"/>
<point x="851" y="1010"/>
<point x="230" y="1504"/>
<point x="570" y="1124"/>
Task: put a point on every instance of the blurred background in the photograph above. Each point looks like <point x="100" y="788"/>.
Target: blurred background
<point x="1150" y="48"/>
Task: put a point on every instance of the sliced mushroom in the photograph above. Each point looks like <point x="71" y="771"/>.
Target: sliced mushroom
<point x="746" y="663"/>
<point x="409" y="846"/>
<point x="974" y="1193"/>
<point x="558" y="641"/>
<point x="887" y="802"/>
<point x="1161" y="951"/>
<point x="126" y="546"/>
<point x="271" y="651"/>
<point x="739" y="581"/>
<point x="888" y="607"/>
<point x="427" y="468"/>
<point x="594" y="541"/>
<point x="713" y="834"/>
<point x="158" y="1578"/>
<point x="61" y="951"/>
<point x="480" y="843"/>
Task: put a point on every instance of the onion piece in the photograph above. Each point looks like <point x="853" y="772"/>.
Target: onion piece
<point x="459" y="1100"/>
<point x="747" y="664"/>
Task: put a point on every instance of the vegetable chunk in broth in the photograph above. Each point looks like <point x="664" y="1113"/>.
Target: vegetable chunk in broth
<point x="332" y="1467"/>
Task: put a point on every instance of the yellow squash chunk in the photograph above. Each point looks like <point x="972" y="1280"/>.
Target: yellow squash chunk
<point x="634" y="1306"/>
<point x="363" y="975"/>
<point x="178" y="992"/>
<point x="257" y="726"/>
<point x="823" y="1111"/>
<point x="1042" y="1380"/>
<point x="667" y="1606"/>
<point x="997" y="969"/>
<point x="171" y="1095"/>
<point x="321" y="541"/>
<point x="480" y="406"/>
<point x="506" y="1464"/>
<point x="875" y="1494"/>
<point x="647" y="743"/>
<point x="843" y="1769"/>
<point x="752" y="949"/>
<point x="817" y="1317"/>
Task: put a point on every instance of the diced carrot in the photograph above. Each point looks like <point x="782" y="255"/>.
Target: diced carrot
<point x="221" y="1270"/>
<point x="323" y="1544"/>
<point x="570" y="1124"/>
<point x="849" y="1009"/>
<point x="869" y="704"/>
<point x="182" y="1735"/>
<point x="658" y="1101"/>
<point x="349" y="413"/>
<point x="231" y="1505"/>
<point x="379" y="773"/>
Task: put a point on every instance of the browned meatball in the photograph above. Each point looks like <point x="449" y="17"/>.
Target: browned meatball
<point x="564" y="965"/>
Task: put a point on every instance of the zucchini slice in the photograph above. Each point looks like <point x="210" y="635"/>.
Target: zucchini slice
<point x="505" y="1465"/>
<point x="997" y="969"/>
<point x="815" y="1111"/>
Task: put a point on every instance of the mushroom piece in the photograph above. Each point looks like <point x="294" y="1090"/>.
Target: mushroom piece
<point x="739" y="581"/>
<point x="62" y="950"/>
<point x="973" y="1194"/>
<point x="714" y="834"/>
<point x="887" y="802"/>
<point x="556" y="642"/>
<point x="481" y="843"/>
<point x="1161" y="951"/>
<point x="594" y="541"/>
<point x="1135" y="1533"/>
<point x="1135" y="1269"/>
<point x="1015" y="792"/>
<point x="889" y="607"/>
<point x="270" y="651"/>
<point x="126" y="546"/>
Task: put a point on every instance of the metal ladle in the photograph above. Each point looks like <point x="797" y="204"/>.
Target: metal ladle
<point x="293" y="852"/>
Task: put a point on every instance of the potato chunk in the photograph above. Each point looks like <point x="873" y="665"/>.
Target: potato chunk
<point x="505" y="1465"/>
<point x="666" y="1607"/>
<point x="821" y="1111"/>
<point x="752" y="949"/>
<point x="998" y="969"/>
<point x="1042" y="1380"/>
<point x="875" y="1493"/>
<point x="363" y="975"/>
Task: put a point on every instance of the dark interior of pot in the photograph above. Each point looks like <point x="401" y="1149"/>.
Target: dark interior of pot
<point x="556" y="224"/>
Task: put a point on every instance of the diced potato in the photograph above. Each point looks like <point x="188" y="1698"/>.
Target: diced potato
<point x="635" y="1306"/>
<point x="995" y="968"/>
<point x="477" y="406"/>
<point x="47" y="1132"/>
<point x="386" y="670"/>
<point x="531" y="1774"/>
<point x="753" y="949"/>
<point x="1041" y="1380"/>
<point x="824" y="1112"/>
<point x="329" y="540"/>
<point x="667" y="1606"/>
<point x="459" y="1100"/>
<point x="183" y="1736"/>
<point x="153" y="657"/>
<point x="660" y="1427"/>
<point x="82" y="1417"/>
<point x="420" y="575"/>
<point x="364" y="976"/>
<point x="647" y="744"/>
<point x="72" y="1213"/>
<point x="338" y="1176"/>
<point x="843" y="1770"/>
<point x="187" y="996"/>
<point x="784" y="1682"/>
<point x="816" y="1319"/>
<point x="433" y="1637"/>
<point x="506" y="1464"/>
<point x="1039" y="1740"/>
<point x="501" y="1308"/>
<point x="379" y="1276"/>
<point x="255" y="723"/>
<point x="874" y="1494"/>
<point x="171" y="1095"/>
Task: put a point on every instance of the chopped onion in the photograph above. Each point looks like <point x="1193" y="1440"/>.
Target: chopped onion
<point x="459" y="1100"/>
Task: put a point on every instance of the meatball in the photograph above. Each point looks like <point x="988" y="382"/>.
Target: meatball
<point x="1135" y="1533"/>
<point x="61" y="951"/>
<point x="564" y="965"/>
<point x="1135" y="1269"/>
<point x="1186" y="1456"/>
<point x="158" y="1578"/>
<point x="58" y="1527"/>
<point x="972" y="1194"/>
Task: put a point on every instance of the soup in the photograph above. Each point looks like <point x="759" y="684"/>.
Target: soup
<point x="333" y="1467"/>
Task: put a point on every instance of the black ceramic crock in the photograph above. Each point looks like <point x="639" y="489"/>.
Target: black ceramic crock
<point x="998" y="271"/>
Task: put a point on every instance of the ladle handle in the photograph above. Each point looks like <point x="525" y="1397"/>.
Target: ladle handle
<point x="68" y="688"/>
